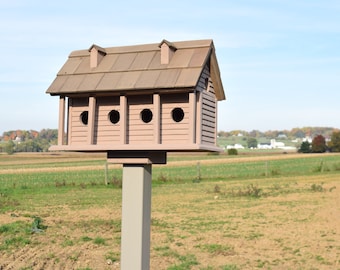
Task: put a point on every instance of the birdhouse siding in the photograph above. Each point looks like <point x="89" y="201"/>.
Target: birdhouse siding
<point x="137" y="130"/>
<point x="172" y="131"/>
<point x="208" y="108"/>
<point x="105" y="131"/>
<point x="78" y="131"/>
<point x="208" y="118"/>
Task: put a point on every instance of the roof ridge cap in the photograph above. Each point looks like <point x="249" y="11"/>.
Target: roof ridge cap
<point x="98" y="48"/>
<point x="170" y="44"/>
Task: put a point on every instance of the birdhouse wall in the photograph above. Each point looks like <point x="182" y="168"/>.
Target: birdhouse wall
<point x="175" y="132"/>
<point x="208" y="118"/>
<point x="106" y="130"/>
<point x="171" y="120"/>
<point x="195" y="123"/>
<point x="139" y="131"/>
<point x="207" y="114"/>
<point x="77" y="130"/>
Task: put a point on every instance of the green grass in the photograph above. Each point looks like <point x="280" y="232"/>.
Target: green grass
<point x="164" y="174"/>
<point x="14" y="235"/>
<point x="217" y="249"/>
<point x="185" y="262"/>
<point x="99" y="241"/>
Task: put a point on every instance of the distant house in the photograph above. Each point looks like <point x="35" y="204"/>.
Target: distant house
<point x="307" y="139"/>
<point x="235" y="146"/>
<point x="264" y="146"/>
<point x="282" y="136"/>
<point x="275" y="144"/>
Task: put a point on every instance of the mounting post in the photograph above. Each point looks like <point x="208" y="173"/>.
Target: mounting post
<point x="136" y="217"/>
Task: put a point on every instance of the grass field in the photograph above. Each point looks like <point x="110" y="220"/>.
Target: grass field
<point x="267" y="211"/>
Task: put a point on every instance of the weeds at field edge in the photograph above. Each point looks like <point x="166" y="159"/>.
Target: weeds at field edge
<point x="254" y="191"/>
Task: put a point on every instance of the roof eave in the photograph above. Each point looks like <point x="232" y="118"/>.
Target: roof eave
<point x="216" y="77"/>
<point x="125" y="91"/>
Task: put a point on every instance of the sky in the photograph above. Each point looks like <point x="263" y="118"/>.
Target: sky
<point x="279" y="59"/>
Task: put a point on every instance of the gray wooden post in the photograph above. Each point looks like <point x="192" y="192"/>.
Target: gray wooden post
<point x="136" y="217"/>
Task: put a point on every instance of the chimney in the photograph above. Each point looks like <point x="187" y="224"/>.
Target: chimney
<point x="167" y="51"/>
<point x="96" y="55"/>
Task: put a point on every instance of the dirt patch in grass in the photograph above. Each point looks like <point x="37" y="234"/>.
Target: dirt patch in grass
<point x="194" y="226"/>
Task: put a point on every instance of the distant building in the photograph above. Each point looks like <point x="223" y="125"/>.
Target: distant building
<point x="264" y="146"/>
<point x="275" y="144"/>
<point x="235" y="146"/>
<point x="307" y="139"/>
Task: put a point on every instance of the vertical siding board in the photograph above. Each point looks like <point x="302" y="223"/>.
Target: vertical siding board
<point x="199" y="96"/>
<point x="215" y="137"/>
<point x="123" y="120"/>
<point x="192" y="117"/>
<point x="157" y="117"/>
<point x="91" y="118"/>
<point x="69" y="121"/>
<point x="61" y="127"/>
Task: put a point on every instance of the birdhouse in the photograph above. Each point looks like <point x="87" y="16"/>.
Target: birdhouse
<point x="139" y="101"/>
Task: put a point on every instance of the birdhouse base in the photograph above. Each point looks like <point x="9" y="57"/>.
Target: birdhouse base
<point x="136" y="157"/>
<point x="142" y="148"/>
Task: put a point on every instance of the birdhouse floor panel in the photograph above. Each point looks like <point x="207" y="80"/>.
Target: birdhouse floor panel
<point x="175" y="147"/>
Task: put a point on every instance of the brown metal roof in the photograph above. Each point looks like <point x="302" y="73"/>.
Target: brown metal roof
<point x="138" y="68"/>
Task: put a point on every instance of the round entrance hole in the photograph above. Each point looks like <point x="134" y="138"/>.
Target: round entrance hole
<point x="177" y="114"/>
<point x="84" y="117"/>
<point x="114" y="116"/>
<point x="146" y="115"/>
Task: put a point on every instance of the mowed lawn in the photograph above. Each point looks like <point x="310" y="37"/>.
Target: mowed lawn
<point x="267" y="211"/>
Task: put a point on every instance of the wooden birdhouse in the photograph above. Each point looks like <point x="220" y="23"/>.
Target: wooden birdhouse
<point x="139" y="101"/>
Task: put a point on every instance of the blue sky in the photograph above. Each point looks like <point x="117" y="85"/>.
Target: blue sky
<point x="279" y="59"/>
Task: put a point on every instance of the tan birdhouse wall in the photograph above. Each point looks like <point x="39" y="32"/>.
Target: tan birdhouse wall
<point x="199" y="118"/>
<point x="105" y="132"/>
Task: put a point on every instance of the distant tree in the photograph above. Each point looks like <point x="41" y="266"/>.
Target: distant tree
<point x="334" y="144"/>
<point x="222" y="134"/>
<point x="232" y="152"/>
<point x="49" y="134"/>
<point x="251" y="142"/>
<point x="237" y="132"/>
<point x="271" y="133"/>
<point x="10" y="147"/>
<point x="297" y="133"/>
<point x="305" y="147"/>
<point x="255" y="133"/>
<point x="319" y="144"/>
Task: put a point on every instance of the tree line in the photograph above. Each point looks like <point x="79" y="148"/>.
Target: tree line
<point x="27" y="140"/>
<point x="319" y="144"/>
<point x="324" y="139"/>
<point x="295" y="133"/>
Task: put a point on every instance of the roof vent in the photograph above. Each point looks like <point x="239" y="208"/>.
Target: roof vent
<point x="167" y="51"/>
<point x="96" y="55"/>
